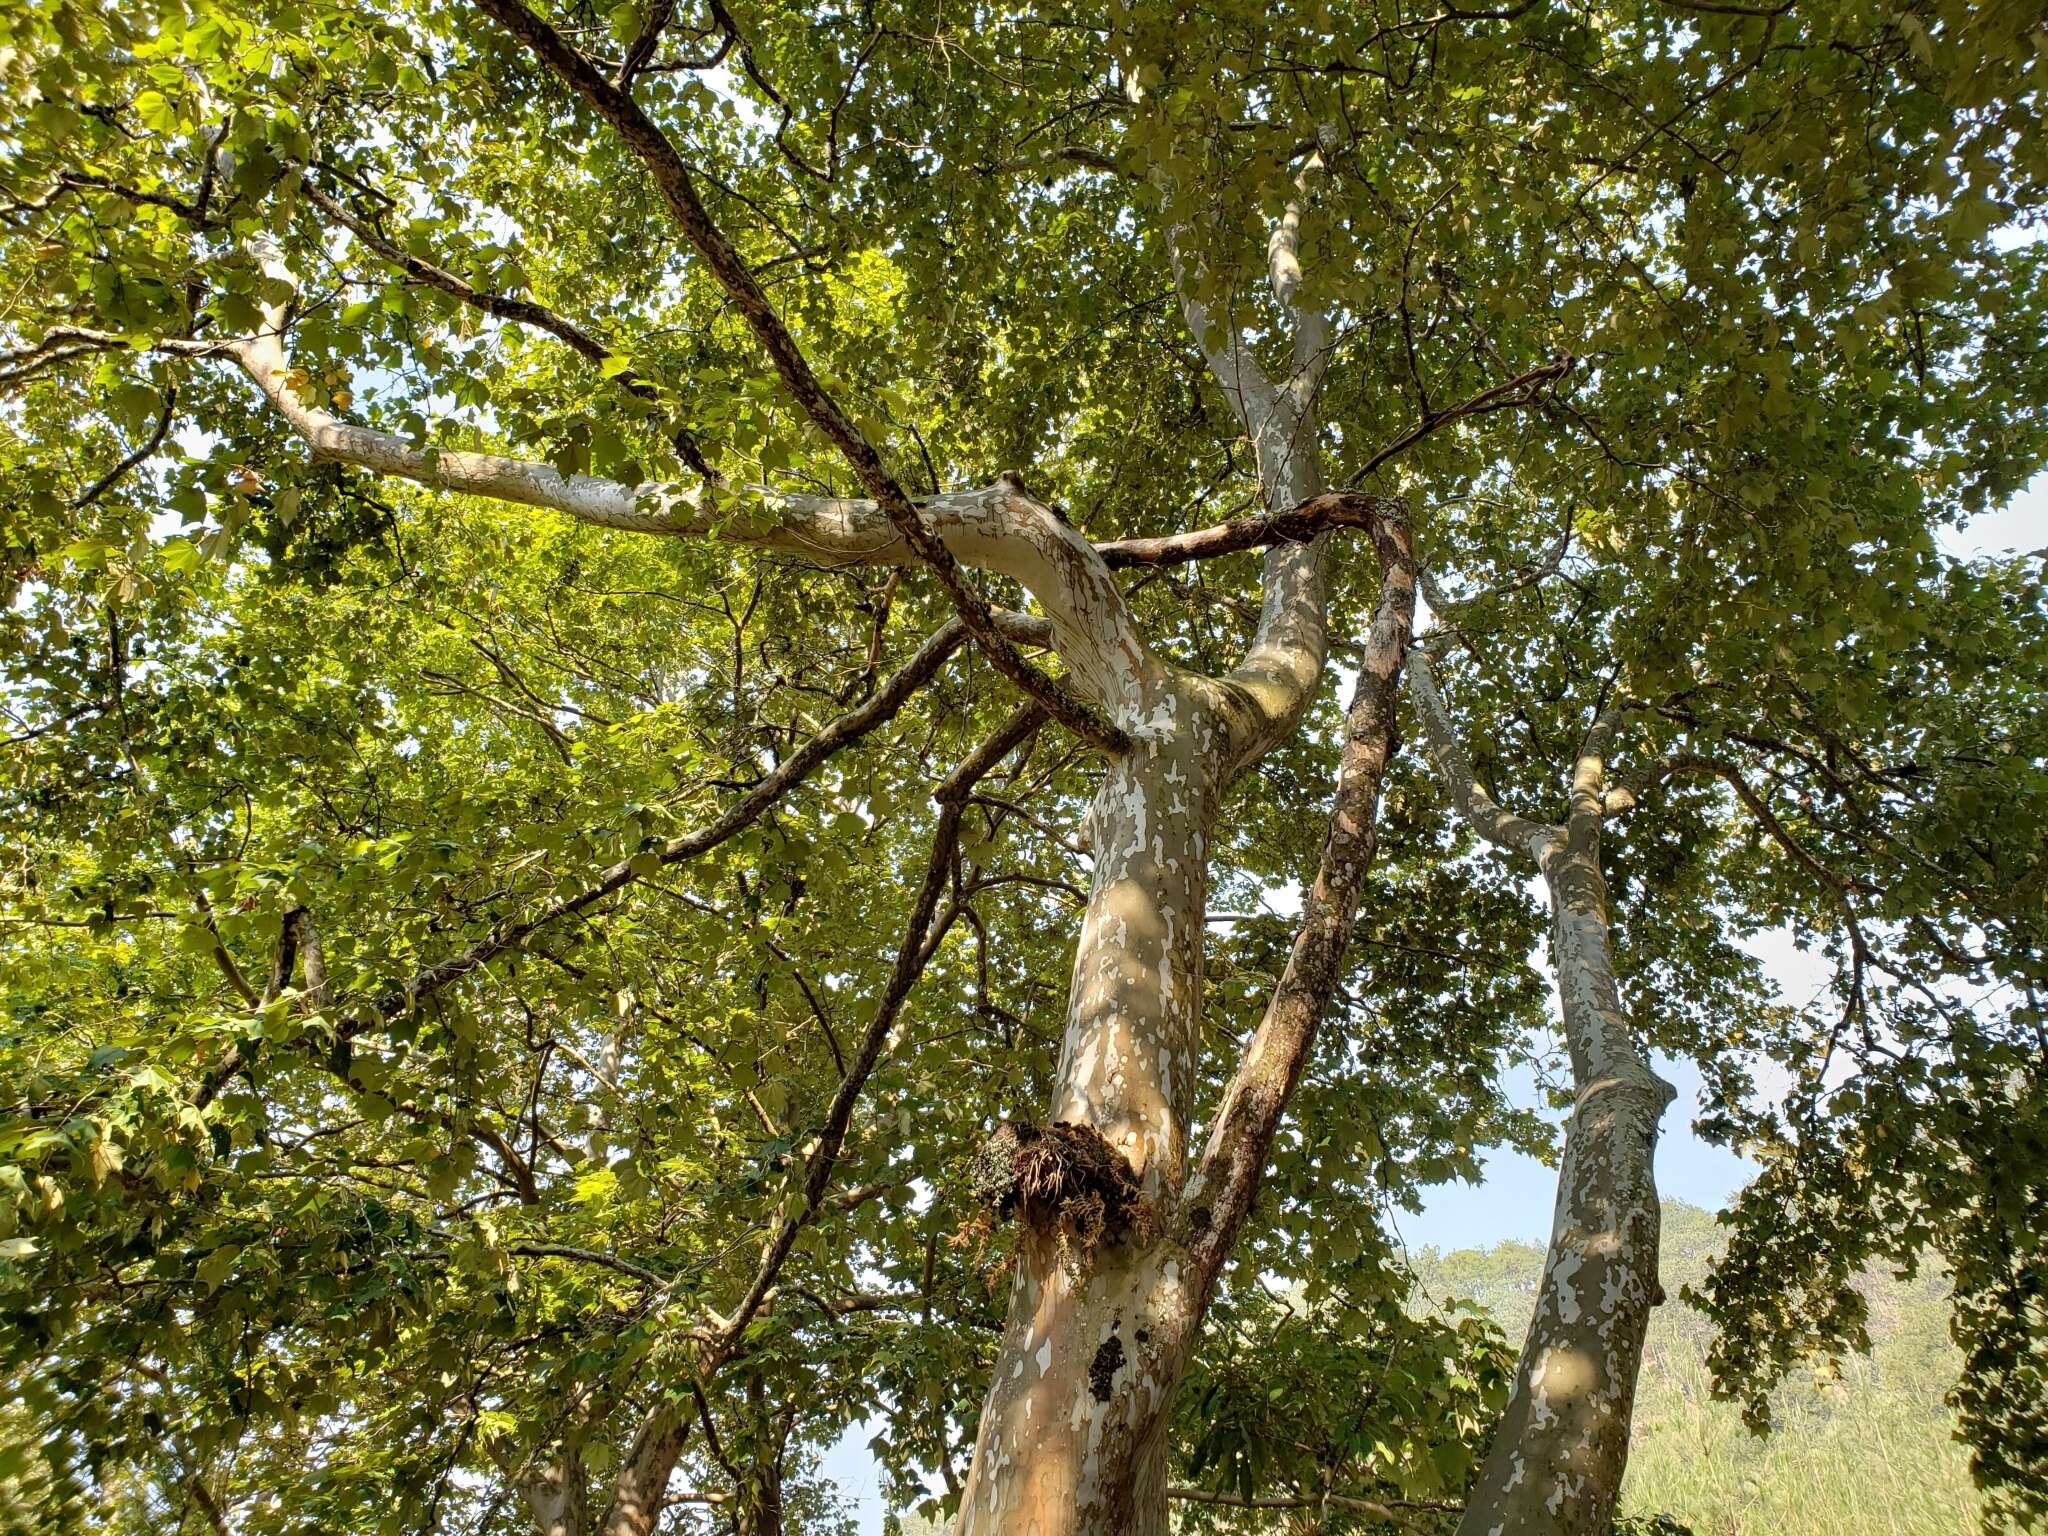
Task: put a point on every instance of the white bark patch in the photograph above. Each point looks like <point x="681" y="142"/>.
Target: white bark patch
<point x="1564" y="1269"/>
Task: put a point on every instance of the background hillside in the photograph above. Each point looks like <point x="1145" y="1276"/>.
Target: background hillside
<point x="1866" y="1452"/>
<point x="1863" y="1451"/>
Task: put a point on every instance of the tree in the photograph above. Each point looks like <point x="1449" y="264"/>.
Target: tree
<point x="540" y="914"/>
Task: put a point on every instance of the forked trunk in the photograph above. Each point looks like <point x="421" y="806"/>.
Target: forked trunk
<point x="1112" y="1273"/>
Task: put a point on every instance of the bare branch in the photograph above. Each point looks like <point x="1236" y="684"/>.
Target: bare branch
<point x="589" y="1256"/>
<point x="155" y="440"/>
<point x="921" y="936"/>
<point x="1523" y="389"/>
<point x="1472" y="802"/>
<point x="1297" y="525"/>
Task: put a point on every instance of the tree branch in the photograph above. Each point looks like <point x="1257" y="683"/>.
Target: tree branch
<point x="518" y="311"/>
<point x="155" y="440"/>
<point x="639" y="1490"/>
<point x="1471" y="801"/>
<point x="1000" y="527"/>
<point x="1233" y="1164"/>
<point x="921" y="936"/>
<point x="1273" y="683"/>
<point x="881" y="707"/>
<point x="1297" y="525"/>
<point x="1519" y="391"/>
<point x="678" y="189"/>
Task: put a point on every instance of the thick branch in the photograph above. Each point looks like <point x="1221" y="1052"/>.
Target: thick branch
<point x="1283" y="269"/>
<point x="1277" y="677"/>
<point x="1000" y="527"/>
<point x="639" y="1489"/>
<point x="1234" y="1162"/>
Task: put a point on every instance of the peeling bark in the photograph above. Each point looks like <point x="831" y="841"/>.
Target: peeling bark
<point x="1073" y="1435"/>
<point x="1074" y="1430"/>
<point x="551" y="1484"/>
<point x="637" y="1492"/>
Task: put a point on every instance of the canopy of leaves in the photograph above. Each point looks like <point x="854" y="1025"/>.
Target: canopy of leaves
<point x="252" y="698"/>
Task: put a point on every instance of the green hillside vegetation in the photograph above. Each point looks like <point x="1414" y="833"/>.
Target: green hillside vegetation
<point x="1863" y="1450"/>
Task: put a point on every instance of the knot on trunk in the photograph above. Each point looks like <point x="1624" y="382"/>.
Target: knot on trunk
<point x="1064" y="1179"/>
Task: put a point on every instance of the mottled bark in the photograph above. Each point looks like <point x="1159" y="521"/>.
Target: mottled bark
<point x="1073" y="1433"/>
<point x="642" y="1481"/>
<point x="1070" y="1430"/>
<point x="552" y="1486"/>
<point x="1556" y="1460"/>
<point x="1241" y="1135"/>
<point x="1073" y="1436"/>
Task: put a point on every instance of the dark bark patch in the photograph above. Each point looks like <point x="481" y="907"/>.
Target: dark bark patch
<point x="1061" y="1178"/>
<point x="1109" y="1359"/>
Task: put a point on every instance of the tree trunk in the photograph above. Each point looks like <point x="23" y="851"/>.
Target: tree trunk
<point x="1072" y="1434"/>
<point x="642" y="1483"/>
<point x="1557" y="1458"/>
<point x="757" y="1507"/>
<point x="556" y="1497"/>
<point x="758" y="1511"/>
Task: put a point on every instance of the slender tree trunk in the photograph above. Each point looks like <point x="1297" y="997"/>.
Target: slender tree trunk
<point x="1557" y="1458"/>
